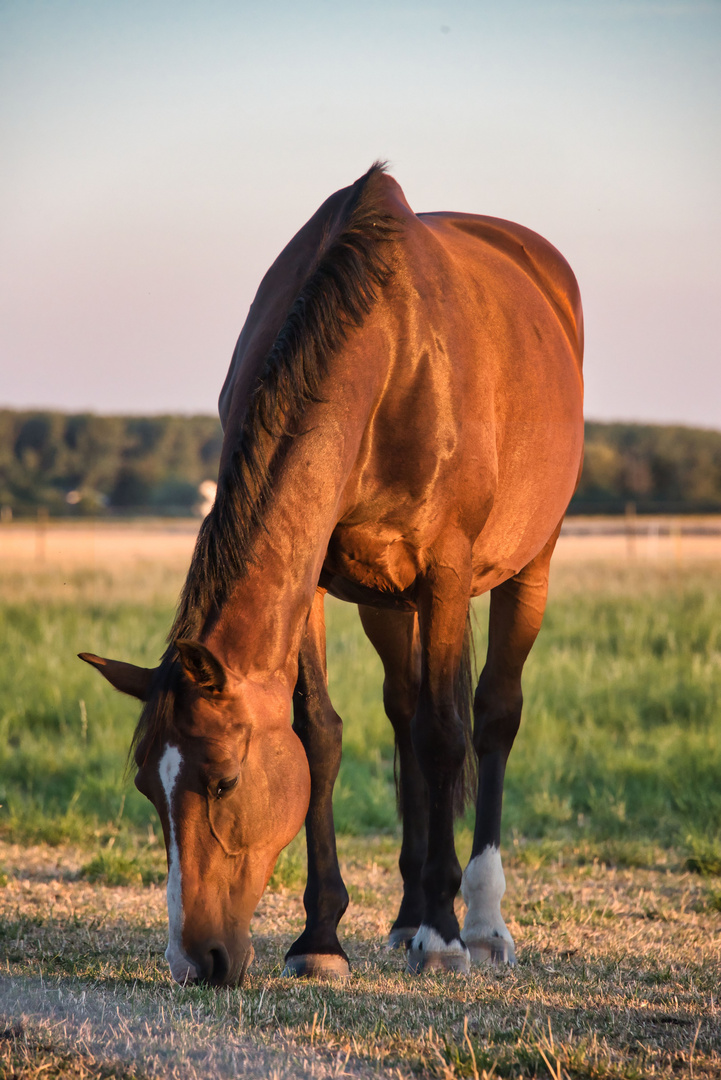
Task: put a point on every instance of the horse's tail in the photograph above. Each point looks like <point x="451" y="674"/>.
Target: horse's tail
<point x="467" y="783"/>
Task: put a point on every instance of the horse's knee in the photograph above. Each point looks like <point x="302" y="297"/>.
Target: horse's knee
<point x="496" y="718"/>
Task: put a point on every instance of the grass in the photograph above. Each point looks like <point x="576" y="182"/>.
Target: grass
<point x="618" y="977"/>
<point x="612" y="834"/>
<point x="618" y="748"/>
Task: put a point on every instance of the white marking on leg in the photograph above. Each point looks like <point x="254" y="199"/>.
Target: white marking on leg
<point x="430" y="941"/>
<point x="181" y="968"/>
<point x="482" y="888"/>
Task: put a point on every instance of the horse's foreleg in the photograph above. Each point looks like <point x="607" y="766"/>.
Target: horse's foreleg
<point x="394" y="635"/>
<point x="317" y="952"/>
<point x="515" y="618"/>
<point x="439" y="743"/>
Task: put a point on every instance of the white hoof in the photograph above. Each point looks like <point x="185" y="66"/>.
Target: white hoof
<point x="493" y="951"/>
<point x="428" y="951"/>
<point x="484" y="931"/>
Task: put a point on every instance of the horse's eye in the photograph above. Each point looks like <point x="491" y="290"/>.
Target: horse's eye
<point x="224" y="786"/>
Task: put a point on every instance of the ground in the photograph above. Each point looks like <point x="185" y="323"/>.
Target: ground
<point x="611" y="841"/>
<point x="618" y="975"/>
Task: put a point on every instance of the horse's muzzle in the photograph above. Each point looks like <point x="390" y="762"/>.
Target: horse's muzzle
<point x="217" y="967"/>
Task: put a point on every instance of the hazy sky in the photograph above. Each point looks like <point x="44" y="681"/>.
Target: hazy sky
<point x="156" y="156"/>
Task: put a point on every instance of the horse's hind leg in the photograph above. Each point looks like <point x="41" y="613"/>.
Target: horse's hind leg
<point x="395" y="637"/>
<point x="317" y="952"/>
<point x="517" y="608"/>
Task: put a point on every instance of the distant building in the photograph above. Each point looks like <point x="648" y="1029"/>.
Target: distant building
<point x="206" y="490"/>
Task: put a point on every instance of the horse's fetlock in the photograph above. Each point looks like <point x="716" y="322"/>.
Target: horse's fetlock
<point x="443" y="879"/>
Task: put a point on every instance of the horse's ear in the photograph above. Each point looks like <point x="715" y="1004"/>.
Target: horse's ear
<point x="127" y="678"/>
<point x="201" y="666"/>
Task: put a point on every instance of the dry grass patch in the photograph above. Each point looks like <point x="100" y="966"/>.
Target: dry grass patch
<point x="618" y="977"/>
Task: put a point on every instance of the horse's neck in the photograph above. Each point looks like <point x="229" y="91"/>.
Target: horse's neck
<point x="258" y="631"/>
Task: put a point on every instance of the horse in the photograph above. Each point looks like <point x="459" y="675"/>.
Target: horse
<point x="403" y="430"/>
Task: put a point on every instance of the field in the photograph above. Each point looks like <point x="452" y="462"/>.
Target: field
<point x="612" y="835"/>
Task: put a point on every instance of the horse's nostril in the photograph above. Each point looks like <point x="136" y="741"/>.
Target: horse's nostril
<point x="219" y="965"/>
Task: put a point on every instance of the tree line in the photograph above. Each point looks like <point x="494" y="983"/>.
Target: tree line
<point x="661" y="468"/>
<point x="88" y="465"/>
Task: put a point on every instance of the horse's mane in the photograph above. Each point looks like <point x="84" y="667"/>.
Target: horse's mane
<point x="338" y="291"/>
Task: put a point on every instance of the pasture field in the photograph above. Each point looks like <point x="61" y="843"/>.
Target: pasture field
<point x="612" y="836"/>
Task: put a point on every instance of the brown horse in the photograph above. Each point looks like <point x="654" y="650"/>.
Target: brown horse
<point x="403" y="429"/>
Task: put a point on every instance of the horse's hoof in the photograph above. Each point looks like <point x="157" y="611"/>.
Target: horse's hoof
<point x="419" y="960"/>
<point x="429" y="952"/>
<point x="401" y="937"/>
<point x="492" y="951"/>
<point x="316" y="966"/>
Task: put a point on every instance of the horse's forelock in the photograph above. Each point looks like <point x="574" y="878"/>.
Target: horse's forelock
<point x="156" y="718"/>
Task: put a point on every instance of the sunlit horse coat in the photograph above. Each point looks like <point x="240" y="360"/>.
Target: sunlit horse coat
<point x="403" y="429"/>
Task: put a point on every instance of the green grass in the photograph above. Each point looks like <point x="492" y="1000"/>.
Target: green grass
<point x="621" y="730"/>
<point x="619" y="748"/>
<point x="121" y="868"/>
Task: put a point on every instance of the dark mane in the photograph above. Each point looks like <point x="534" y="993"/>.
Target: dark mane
<point x="339" y="289"/>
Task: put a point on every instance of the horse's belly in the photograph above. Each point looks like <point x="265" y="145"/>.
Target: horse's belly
<point x="524" y="516"/>
<point x="498" y="558"/>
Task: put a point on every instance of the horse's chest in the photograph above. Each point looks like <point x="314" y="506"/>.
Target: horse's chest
<point x="372" y="558"/>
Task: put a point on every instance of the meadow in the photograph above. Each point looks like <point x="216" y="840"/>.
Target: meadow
<point x="612" y="834"/>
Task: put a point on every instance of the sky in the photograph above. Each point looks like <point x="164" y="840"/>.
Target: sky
<point x="158" y="154"/>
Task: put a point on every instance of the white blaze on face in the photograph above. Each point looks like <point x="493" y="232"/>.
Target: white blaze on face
<point x="483" y="886"/>
<point x="180" y="967"/>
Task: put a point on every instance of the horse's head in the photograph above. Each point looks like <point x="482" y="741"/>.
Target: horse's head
<point x="220" y="762"/>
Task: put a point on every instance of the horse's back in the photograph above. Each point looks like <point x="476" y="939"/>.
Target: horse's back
<point x="537" y="259"/>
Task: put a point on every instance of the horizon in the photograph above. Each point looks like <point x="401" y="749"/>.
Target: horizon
<point x="158" y="414"/>
<point x="160" y="156"/>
